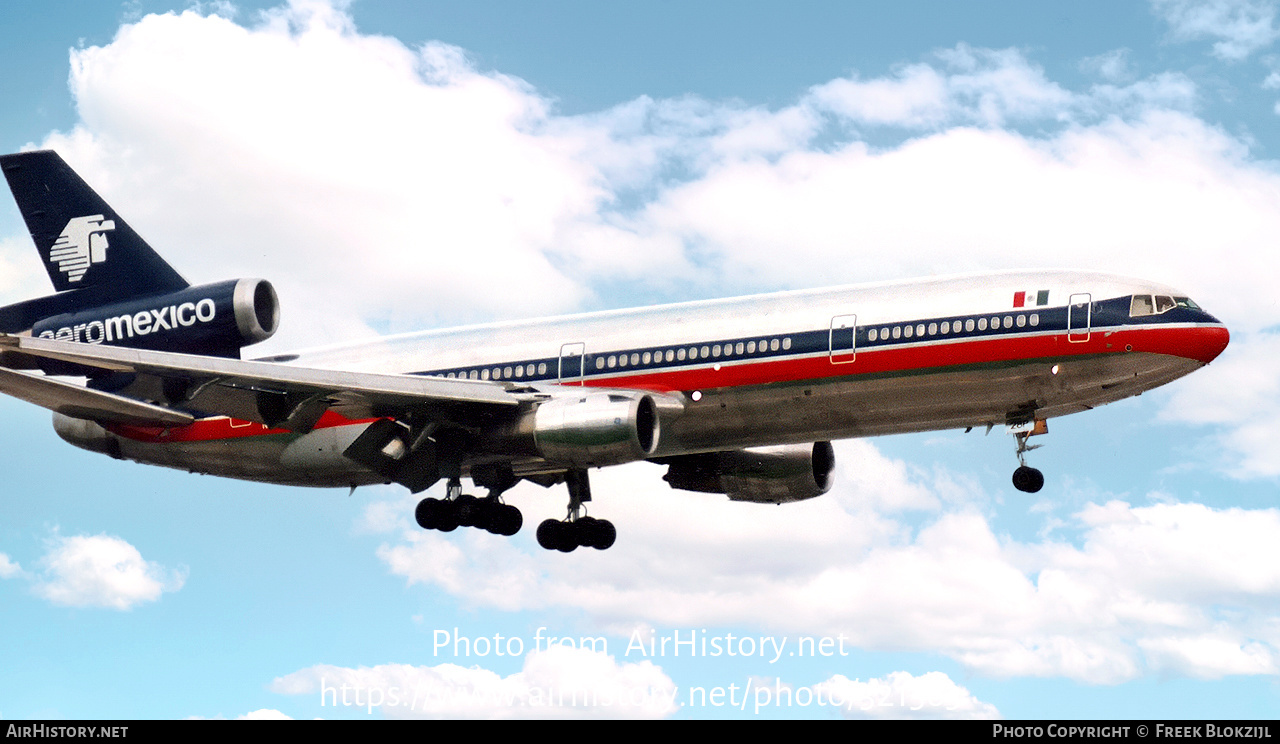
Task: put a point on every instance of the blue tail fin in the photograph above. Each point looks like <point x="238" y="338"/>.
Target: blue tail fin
<point x="85" y="245"/>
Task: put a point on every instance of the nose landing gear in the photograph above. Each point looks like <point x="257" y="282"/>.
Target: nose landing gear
<point x="1028" y="479"/>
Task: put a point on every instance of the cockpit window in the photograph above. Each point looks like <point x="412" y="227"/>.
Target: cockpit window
<point x="1141" y="305"/>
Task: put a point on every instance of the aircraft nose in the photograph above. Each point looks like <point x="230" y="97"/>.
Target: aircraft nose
<point x="1205" y="343"/>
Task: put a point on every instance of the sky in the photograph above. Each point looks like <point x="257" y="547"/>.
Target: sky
<point x="395" y="166"/>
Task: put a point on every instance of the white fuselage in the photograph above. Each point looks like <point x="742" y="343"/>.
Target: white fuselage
<point x="790" y="367"/>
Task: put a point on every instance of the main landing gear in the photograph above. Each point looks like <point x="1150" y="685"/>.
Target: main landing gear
<point x="458" y="509"/>
<point x="1027" y="479"/>
<point x="577" y="530"/>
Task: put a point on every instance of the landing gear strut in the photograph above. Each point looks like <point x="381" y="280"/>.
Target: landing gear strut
<point x="1026" y="479"/>
<point x="577" y="530"/>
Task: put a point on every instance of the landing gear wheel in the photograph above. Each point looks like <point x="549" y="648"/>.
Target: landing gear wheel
<point x="556" y="535"/>
<point x="1028" y="479"/>
<point x="596" y="533"/>
<point x="470" y="511"/>
<point x="504" y="520"/>
<point x="426" y="513"/>
<point x="577" y="530"/>
<point x="447" y="516"/>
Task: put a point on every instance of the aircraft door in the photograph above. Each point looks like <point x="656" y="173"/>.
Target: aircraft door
<point x="843" y="339"/>
<point x="1079" y="312"/>
<point x="572" y="363"/>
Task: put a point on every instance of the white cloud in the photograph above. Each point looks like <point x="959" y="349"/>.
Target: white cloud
<point x="264" y="714"/>
<point x="1240" y="394"/>
<point x="1241" y="27"/>
<point x="1114" y="66"/>
<point x="555" y="682"/>
<point x="330" y="160"/>
<point x="1144" y="588"/>
<point x="993" y="88"/>
<point x="102" y="571"/>
<point x="1209" y="656"/>
<point x="8" y="567"/>
<point x="900" y="696"/>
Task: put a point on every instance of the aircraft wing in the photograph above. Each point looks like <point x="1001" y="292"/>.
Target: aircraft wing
<point x="276" y="395"/>
<point x="81" y="402"/>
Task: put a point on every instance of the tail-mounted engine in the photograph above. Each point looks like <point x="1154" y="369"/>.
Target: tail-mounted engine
<point x="771" y="475"/>
<point x="214" y="319"/>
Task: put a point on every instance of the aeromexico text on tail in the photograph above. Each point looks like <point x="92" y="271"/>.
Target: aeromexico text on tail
<point x="736" y="396"/>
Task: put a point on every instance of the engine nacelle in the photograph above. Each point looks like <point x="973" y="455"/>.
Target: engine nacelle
<point x="214" y="319"/>
<point x="86" y="435"/>
<point x="596" y="428"/>
<point x="767" y="475"/>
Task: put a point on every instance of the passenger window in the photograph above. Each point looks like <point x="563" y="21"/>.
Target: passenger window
<point x="671" y="355"/>
<point x="908" y="331"/>
<point x="751" y="347"/>
<point x="871" y="335"/>
<point x="647" y="357"/>
<point x="946" y="327"/>
<point x="933" y="329"/>
<point x="715" y="351"/>
<point x="786" y="343"/>
<point x="774" y="345"/>
<point x="740" y="347"/>
<point x="542" y="368"/>
<point x="968" y="324"/>
<point x="635" y="359"/>
<point x="897" y="331"/>
<point x="1022" y="321"/>
<point x="982" y="324"/>
<point x="1035" y="319"/>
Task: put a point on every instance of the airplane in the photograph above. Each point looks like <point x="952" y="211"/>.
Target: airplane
<point x="740" y="397"/>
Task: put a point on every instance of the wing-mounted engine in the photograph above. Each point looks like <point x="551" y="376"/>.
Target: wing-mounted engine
<point x="213" y="319"/>
<point x="769" y="475"/>
<point x="594" y="429"/>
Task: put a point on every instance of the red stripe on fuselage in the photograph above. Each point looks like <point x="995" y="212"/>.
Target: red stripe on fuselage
<point x="220" y="427"/>
<point x="1201" y="343"/>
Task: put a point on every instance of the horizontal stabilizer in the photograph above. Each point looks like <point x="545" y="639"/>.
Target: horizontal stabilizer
<point x="84" y="403"/>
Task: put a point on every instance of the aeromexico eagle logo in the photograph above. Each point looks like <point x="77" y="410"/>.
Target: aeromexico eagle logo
<point x="83" y="242"/>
